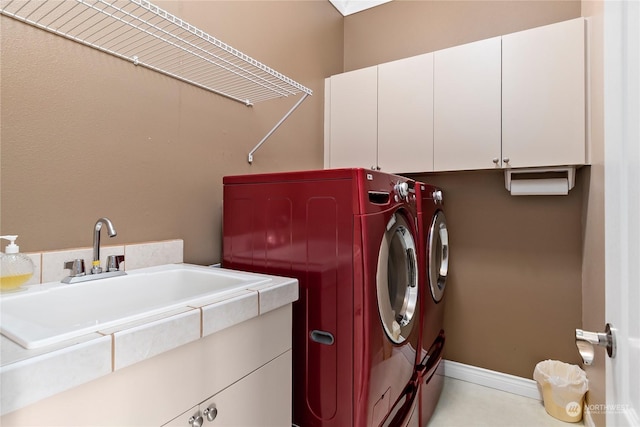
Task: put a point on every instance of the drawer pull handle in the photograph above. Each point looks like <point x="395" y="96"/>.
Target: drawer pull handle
<point x="322" y="337"/>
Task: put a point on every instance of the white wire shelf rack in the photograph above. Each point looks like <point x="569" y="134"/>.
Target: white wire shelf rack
<point x="148" y="36"/>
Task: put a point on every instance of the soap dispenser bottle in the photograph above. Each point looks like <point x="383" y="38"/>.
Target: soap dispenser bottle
<point x="15" y="268"/>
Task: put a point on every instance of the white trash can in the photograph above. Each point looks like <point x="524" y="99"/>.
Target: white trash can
<point x="563" y="387"/>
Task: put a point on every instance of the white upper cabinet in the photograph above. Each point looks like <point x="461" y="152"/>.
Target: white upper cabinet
<point x="507" y="102"/>
<point x="353" y="118"/>
<point x="543" y="96"/>
<point x="381" y="117"/>
<point x="467" y="106"/>
<point x="405" y="115"/>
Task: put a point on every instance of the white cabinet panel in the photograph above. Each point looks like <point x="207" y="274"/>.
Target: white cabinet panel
<point x="182" y="420"/>
<point x="543" y="95"/>
<point x="353" y="118"/>
<point x="405" y="115"/>
<point x="467" y="106"/>
<point x="262" y="398"/>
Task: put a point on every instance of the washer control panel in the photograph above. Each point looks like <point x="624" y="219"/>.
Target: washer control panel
<point x="404" y="191"/>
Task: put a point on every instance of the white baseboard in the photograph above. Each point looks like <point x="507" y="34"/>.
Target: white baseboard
<point x="493" y="379"/>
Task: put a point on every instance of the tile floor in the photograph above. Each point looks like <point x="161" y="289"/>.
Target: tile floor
<point x="464" y="404"/>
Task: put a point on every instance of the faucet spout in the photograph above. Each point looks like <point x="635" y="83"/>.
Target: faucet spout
<point x="96" y="269"/>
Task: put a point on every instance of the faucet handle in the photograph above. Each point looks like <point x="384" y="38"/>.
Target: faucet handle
<point x="113" y="262"/>
<point x="76" y="266"/>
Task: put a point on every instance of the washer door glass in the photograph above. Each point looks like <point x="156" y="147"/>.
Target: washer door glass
<point x="438" y="260"/>
<point x="397" y="280"/>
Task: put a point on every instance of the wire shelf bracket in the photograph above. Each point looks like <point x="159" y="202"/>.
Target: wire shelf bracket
<point x="146" y="35"/>
<point x="250" y="157"/>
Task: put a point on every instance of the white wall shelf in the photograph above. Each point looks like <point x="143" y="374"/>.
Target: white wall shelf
<point x="148" y="36"/>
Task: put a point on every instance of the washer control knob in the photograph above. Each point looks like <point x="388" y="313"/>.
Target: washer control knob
<point x="437" y="197"/>
<point x="402" y="188"/>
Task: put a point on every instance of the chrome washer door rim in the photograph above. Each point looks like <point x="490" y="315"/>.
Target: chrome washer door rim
<point x="438" y="256"/>
<point x="397" y="280"/>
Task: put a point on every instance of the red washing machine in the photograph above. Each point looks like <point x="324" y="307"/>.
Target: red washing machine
<point x="434" y="266"/>
<point x="350" y="238"/>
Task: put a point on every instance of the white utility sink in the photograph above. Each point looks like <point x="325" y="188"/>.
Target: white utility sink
<point x="47" y="314"/>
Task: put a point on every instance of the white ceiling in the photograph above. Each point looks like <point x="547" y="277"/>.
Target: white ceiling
<point x="347" y="7"/>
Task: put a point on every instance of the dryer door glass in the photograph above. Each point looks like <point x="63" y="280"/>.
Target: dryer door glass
<point x="438" y="256"/>
<point x="397" y="280"/>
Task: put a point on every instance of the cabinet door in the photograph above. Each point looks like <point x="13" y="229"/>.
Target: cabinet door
<point x="405" y="115"/>
<point x="543" y="95"/>
<point x="262" y="398"/>
<point x="353" y="119"/>
<point x="467" y="106"/>
<point x="186" y="419"/>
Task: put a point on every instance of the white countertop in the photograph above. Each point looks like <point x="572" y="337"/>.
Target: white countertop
<point x="27" y="376"/>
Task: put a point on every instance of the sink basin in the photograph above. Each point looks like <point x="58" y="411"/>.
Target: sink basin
<point x="41" y="317"/>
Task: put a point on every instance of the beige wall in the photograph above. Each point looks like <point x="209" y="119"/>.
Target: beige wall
<point x="405" y="28"/>
<point x="593" y="269"/>
<point x="515" y="293"/>
<point x="86" y="135"/>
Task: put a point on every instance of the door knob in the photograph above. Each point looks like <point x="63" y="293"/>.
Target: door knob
<point x="211" y="413"/>
<point x="506" y="160"/>
<point x="196" y="420"/>
<point x="585" y="341"/>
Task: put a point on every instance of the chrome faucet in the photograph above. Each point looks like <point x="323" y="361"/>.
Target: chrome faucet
<point x="113" y="263"/>
<point x="96" y="269"/>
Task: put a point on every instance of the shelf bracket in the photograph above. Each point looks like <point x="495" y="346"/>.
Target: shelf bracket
<point x="250" y="157"/>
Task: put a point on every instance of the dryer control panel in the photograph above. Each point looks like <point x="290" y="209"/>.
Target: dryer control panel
<point x="437" y="197"/>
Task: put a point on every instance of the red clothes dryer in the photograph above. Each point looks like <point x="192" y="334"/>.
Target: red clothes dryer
<point x="350" y="238"/>
<point x="434" y="267"/>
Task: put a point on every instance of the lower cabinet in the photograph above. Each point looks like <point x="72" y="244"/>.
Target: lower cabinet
<point x="243" y="371"/>
<point x="240" y="405"/>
